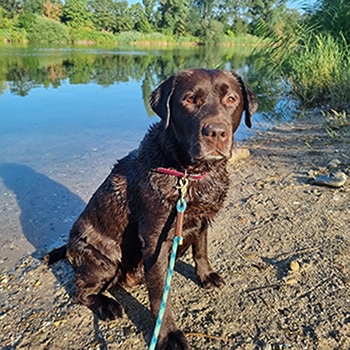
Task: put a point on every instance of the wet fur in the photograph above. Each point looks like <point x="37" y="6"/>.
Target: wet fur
<point x="125" y="233"/>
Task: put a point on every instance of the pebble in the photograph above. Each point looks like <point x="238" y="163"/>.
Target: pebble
<point x="334" y="163"/>
<point x="313" y="173"/>
<point x="4" y="280"/>
<point x="239" y="154"/>
<point x="331" y="180"/>
<point x="294" y="266"/>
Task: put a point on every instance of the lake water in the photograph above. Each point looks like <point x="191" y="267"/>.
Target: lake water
<point x="66" y="115"/>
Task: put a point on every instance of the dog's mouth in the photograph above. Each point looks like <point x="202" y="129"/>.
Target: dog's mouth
<point x="212" y="155"/>
<point x="199" y="152"/>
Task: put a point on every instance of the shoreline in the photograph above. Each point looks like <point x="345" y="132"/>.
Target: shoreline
<point x="140" y="43"/>
<point x="281" y="244"/>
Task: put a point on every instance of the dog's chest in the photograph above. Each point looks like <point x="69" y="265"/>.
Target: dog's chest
<point x="203" y="197"/>
<point x="199" y="210"/>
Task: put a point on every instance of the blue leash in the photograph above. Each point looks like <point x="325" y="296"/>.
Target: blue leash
<point x="180" y="207"/>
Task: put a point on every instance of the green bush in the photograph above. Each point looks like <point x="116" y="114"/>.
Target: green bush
<point x="45" y="30"/>
<point x="86" y="34"/>
<point x="133" y="36"/>
<point x="128" y="37"/>
<point x="18" y="36"/>
<point x="185" y="39"/>
<point x="211" y="32"/>
<point x="155" y="37"/>
<point x="25" y="20"/>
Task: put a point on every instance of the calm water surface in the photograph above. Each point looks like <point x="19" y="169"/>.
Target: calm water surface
<point x="66" y="115"/>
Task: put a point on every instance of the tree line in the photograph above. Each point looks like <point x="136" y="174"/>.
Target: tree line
<point x="21" y="73"/>
<point x="208" y="20"/>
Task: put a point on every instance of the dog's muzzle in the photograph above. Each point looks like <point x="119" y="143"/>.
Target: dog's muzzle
<point x="216" y="141"/>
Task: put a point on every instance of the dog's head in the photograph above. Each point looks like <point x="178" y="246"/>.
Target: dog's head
<point x="203" y="108"/>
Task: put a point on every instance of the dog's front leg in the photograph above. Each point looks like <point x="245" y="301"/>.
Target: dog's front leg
<point x="205" y="274"/>
<point x="156" y="254"/>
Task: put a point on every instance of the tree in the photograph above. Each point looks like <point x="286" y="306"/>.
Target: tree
<point x="181" y="28"/>
<point x="25" y="20"/>
<point x="149" y="11"/>
<point x="232" y="13"/>
<point x="263" y="13"/>
<point x="211" y="32"/>
<point x="76" y="13"/>
<point x="103" y="15"/>
<point x="195" y="23"/>
<point x="206" y="8"/>
<point x="172" y="12"/>
<point x="11" y="7"/>
<point x="123" y="17"/>
<point x="240" y="26"/>
<point x="52" y="10"/>
<point x="280" y="22"/>
<point x="139" y="18"/>
<point x="33" y="6"/>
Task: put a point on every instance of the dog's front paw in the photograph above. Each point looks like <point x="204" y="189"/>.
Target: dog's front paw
<point x="107" y="309"/>
<point x="212" y="280"/>
<point x="175" y="340"/>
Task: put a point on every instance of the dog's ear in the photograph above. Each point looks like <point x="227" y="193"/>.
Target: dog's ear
<point x="160" y="99"/>
<point x="250" y="101"/>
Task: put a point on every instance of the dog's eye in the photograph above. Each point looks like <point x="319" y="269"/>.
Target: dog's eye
<point x="191" y="100"/>
<point x="230" y="100"/>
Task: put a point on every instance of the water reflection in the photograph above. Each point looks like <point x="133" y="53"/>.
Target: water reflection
<point x="22" y="69"/>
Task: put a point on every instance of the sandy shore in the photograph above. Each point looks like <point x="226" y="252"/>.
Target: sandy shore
<point x="281" y="243"/>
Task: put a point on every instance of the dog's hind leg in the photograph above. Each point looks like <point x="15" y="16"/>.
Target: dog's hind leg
<point x="94" y="273"/>
<point x="55" y="255"/>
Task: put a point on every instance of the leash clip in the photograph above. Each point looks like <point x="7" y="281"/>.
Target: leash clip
<point x="183" y="185"/>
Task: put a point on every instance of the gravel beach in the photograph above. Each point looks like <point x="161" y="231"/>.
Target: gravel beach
<point x="281" y="243"/>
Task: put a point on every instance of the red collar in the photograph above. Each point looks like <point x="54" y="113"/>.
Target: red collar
<point x="181" y="174"/>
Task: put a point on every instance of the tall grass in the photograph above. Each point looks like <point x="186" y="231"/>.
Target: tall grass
<point x="314" y="57"/>
<point x="319" y="71"/>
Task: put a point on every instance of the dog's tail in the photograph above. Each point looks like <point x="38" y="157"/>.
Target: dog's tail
<point x="56" y="254"/>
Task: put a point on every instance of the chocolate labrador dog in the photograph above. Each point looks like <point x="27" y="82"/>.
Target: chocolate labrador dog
<point x="125" y="233"/>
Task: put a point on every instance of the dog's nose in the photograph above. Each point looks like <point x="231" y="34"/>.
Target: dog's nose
<point x="216" y="132"/>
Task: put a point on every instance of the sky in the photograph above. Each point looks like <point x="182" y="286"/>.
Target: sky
<point x="298" y="4"/>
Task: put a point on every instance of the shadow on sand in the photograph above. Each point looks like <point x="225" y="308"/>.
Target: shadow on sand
<point x="48" y="210"/>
